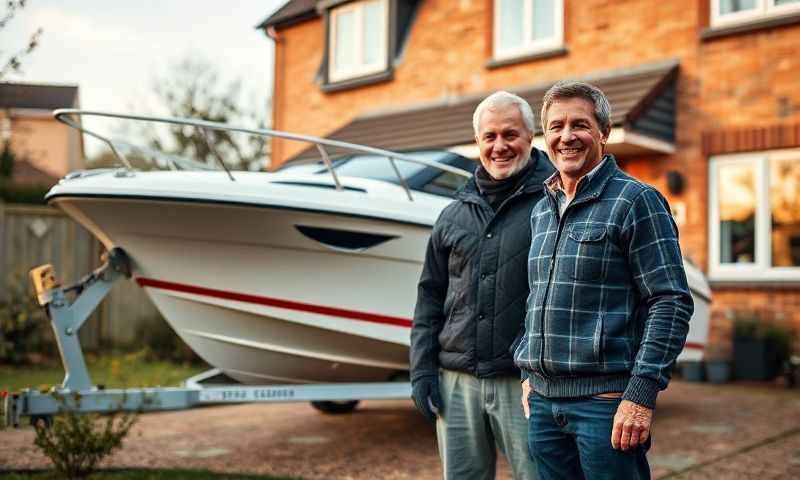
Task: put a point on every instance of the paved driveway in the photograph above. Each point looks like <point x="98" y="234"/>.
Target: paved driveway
<point x="701" y="431"/>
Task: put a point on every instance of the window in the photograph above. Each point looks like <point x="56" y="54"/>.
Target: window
<point x="727" y="12"/>
<point x="524" y="27"/>
<point x="755" y="216"/>
<point x="358" y="39"/>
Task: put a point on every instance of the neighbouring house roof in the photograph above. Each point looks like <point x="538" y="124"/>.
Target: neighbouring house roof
<point x="292" y="12"/>
<point x="642" y="102"/>
<point x="40" y="97"/>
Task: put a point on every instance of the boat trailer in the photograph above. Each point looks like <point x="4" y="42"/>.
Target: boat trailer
<point x="78" y="394"/>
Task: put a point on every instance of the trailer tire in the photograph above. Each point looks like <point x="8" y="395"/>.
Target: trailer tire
<point x="335" y="407"/>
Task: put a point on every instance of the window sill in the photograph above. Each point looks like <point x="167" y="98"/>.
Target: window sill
<point x="553" y="52"/>
<point x="356" y="82"/>
<point x="755" y="284"/>
<point x="751" y="26"/>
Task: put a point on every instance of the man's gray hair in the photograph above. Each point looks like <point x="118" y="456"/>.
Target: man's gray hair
<point x="499" y="100"/>
<point x="571" y="89"/>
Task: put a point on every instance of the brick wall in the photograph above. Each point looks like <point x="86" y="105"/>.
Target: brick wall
<point x="47" y="144"/>
<point x="735" y="93"/>
<point x="448" y="49"/>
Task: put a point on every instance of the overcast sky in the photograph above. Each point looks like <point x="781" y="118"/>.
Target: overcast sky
<point x="113" y="50"/>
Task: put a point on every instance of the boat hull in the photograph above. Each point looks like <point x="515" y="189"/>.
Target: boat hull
<point x="255" y="297"/>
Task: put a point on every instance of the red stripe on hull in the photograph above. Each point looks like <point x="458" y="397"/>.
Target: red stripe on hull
<point x="275" y="302"/>
<point x="694" y="346"/>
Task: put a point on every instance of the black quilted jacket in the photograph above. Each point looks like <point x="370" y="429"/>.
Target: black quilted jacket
<point x="474" y="284"/>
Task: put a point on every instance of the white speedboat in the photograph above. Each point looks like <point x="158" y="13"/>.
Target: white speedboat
<point x="305" y="275"/>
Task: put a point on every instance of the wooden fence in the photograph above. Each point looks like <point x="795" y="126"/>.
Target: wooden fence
<point x="34" y="235"/>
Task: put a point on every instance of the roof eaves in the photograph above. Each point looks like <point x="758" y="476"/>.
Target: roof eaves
<point x="646" y="83"/>
<point x="644" y="103"/>
<point x="294" y="11"/>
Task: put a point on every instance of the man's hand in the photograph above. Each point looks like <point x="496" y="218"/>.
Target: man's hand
<point x="526" y="391"/>
<point x="631" y="425"/>
<point x="428" y="400"/>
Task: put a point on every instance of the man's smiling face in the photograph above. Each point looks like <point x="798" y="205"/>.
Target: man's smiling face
<point x="573" y="136"/>
<point x="504" y="141"/>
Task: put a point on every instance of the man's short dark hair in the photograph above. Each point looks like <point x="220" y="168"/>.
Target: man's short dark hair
<point x="572" y="89"/>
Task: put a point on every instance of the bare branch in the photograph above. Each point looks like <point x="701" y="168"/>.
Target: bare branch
<point x="11" y="9"/>
<point x="14" y="63"/>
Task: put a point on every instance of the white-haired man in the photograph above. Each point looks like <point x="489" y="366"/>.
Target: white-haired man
<point x="471" y="299"/>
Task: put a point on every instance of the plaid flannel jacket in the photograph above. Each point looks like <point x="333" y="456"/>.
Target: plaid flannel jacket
<point x="609" y="305"/>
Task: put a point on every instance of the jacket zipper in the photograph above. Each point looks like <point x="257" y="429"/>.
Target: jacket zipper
<point x="550" y="275"/>
<point x="495" y="213"/>
<point x="547" y="290"/>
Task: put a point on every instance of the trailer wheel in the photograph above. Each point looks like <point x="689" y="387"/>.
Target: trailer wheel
<point x="335" y="407"/>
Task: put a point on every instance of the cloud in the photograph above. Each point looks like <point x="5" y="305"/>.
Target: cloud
<point x="70" y="27"/>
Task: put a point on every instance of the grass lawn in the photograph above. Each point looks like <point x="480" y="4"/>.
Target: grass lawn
<point x="147" y="475"/>
<point x="114" y="370"/>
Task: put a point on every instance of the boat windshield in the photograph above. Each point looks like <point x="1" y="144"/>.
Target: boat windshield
<point x="378" y="168"/>
<point x="374" y="167"/>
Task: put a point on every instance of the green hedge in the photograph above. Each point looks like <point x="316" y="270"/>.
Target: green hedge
<point x="30" y="194"/>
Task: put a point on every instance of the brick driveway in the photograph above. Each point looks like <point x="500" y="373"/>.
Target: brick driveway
<point x="701" y="431"/>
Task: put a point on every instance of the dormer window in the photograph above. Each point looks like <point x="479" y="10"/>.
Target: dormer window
<point x="527" y="27"/>
<point x="358" y="39"/>
<point x="730" y="12"/>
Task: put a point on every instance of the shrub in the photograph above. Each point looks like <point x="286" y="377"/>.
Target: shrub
<point x="21" y="193"/>
<point x="77" y="443"/>
<point x="24" y="327"/>
<point x="163" y="344"/>
<point x="760" y="326"/>
<point x="7" y="159"/>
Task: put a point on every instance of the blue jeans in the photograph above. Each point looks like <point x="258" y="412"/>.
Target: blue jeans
<point x="570" y="438"/>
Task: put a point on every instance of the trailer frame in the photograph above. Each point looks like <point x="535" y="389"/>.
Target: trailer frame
<point x="77" y="393"/>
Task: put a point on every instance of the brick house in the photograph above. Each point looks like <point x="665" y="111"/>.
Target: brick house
<point x="45" y="148"/>
<point x="705" y="94"/>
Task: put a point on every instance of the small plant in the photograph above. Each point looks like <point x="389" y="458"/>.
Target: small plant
<point x="747" y="324"/>
<point x="782" y="337"/>
<point x="752" y="325"/>
<point x="77" y="443"/>
<point x="762" y="344"/>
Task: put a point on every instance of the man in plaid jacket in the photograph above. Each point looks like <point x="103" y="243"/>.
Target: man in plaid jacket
<point x="609" y="305"/>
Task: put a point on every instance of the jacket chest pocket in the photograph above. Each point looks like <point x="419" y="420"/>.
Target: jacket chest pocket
<point x="586" y="253"/>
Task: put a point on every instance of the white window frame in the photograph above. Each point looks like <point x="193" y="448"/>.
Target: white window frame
<point x="531" y="47"/>
<point x="760" y="270"/>
<point x="763" y="9"/>
<point x="360" y="69"/>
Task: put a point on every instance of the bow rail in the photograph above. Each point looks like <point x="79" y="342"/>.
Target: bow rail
<point x="65" y="115"/>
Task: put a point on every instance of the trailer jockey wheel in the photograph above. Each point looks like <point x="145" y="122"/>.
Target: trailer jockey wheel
<point x="335" y="407"/>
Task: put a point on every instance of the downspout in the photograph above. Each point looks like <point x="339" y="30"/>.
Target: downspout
<point x="275" y="144"/>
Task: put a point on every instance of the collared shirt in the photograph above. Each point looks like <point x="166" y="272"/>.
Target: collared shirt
<point x="555" y="185"/>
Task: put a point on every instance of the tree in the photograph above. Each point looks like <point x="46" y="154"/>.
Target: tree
<point x="193" y="88"/>
<point x="14" y="63"/>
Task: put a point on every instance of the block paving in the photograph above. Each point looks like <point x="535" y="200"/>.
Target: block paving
<point x="701" y="431"/>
